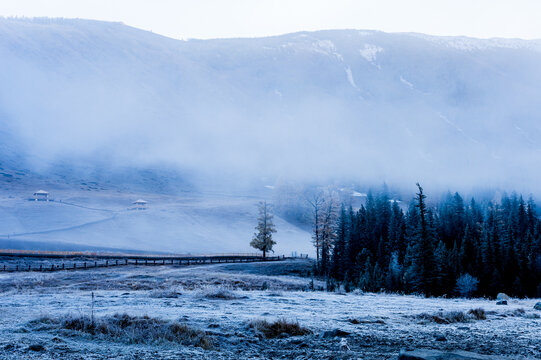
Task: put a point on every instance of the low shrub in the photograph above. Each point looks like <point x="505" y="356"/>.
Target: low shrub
<point x="357" y="292"/>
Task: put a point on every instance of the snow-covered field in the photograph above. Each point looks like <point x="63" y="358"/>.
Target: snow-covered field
<point x="375" y="326"/>
<point x="187" y="223"/>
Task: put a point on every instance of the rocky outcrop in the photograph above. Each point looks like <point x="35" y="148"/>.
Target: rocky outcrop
<point x="537" y="306"/>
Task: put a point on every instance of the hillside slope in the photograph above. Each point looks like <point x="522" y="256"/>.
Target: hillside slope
<point x="91" y="109"/>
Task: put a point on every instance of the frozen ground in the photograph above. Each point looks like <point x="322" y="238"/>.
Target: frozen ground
<point x="375" y="326"/>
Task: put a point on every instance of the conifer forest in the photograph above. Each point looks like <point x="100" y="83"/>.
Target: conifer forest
<point x="453" y="247"/>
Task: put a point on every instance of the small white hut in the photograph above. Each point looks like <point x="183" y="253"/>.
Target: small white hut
<point x="41" y="195"/>
<point x="140" y="204"/>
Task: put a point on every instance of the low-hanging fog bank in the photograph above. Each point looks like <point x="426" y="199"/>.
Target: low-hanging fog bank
<point x="363" y="105"/>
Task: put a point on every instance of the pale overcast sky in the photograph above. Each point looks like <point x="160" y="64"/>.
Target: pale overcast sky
<point x="248" y="18"/>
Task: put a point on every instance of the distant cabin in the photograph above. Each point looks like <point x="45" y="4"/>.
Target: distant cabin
<point x="41" y="195"/>
<point x="140" y="204"/>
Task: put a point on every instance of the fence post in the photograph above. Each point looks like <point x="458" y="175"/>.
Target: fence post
<point x="52" y="267"/>
<point x="40" y="268"/>
<point x="29" y="268"/>
<point x="117" y="263"/>
<point x="95" y="264"/>
<point x="74" y="266"/>
<point x="62" y="266"/>
<point x="126" y="261"/>
<point x="106" y="263"/>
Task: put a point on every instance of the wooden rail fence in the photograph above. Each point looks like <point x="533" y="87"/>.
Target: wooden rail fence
<point x="89" y="260"/>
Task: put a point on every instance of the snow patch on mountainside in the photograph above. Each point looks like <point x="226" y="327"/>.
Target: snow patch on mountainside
<point x="406" y="82"/>
<point x="457" y="128"/>
<point x="350" y="78"/>
<point x="471" y="44"/>
<point x="327" y="47"/>
<point x="370" y="52"/>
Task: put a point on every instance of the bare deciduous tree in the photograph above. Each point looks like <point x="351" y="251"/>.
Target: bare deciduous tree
<point x="316" y="201"/>
<point x="328" y="235"/>
<point x="324" y="211"/>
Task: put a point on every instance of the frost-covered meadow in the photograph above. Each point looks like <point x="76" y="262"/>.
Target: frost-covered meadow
<point x="221" y="301"/>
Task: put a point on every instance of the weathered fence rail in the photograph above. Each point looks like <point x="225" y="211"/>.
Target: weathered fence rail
<point x="71" y="254"/>
<point x="64" y="260"/>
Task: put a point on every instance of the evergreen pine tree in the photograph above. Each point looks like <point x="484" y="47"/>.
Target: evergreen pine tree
<point x="423" y="266"/>
<point x="339" y="250"/>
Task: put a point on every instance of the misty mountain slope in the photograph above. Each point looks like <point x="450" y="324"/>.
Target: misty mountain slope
<point x="108" y="113"/>
<point x="398" y="107"/>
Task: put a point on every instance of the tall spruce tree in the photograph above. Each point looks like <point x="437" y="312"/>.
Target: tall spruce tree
<point x="339" y="250"/>
<point x="423" y="268"/>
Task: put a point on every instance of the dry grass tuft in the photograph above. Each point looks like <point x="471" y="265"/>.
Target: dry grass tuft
<point x="219" y="293"/>
<point x="279" y="328"/>
<point x="452" y="317"/>
<point x="164" y="294"/>
<point x="520" y="312"/>
<point x="478" y="313"/>
<point x="136" y="330"/>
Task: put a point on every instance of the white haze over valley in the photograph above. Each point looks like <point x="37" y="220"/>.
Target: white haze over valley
<point x="208" y="121"/>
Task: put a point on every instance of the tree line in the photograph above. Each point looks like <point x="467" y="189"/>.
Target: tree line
<point x="451" y="247"/>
